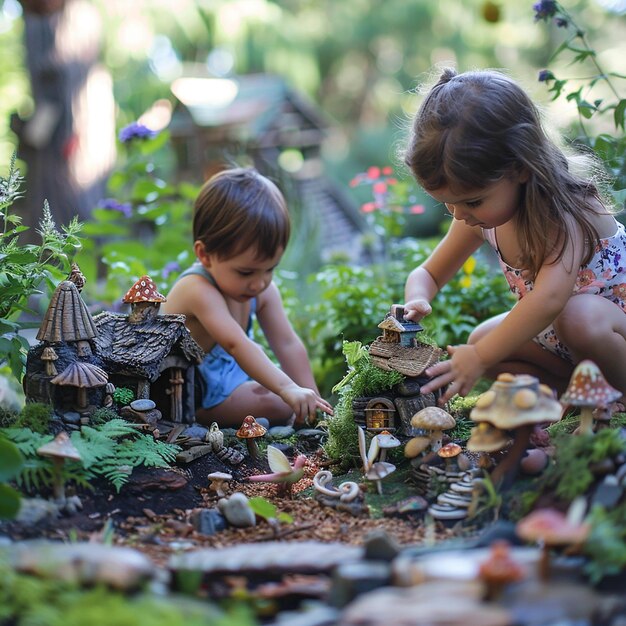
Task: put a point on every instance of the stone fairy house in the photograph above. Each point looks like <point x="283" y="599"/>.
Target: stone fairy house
<point x="63" y="369"/>
<point x="398" y="349"/>
<point x="152" y="354"/>
<point x="81" y="358"/>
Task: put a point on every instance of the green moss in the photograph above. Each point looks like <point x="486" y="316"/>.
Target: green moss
<point x="366" y="380"/>
<point x="35" y="416"/>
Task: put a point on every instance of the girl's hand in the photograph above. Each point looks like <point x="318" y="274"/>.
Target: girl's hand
<point x="416" y="309"/>
<point x="461" y="371"/>
<point x="304" y="402"/>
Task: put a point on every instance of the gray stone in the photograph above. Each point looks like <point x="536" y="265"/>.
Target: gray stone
<point x="195" y="432"/>
<point x="608" y="493"/>
<point x="34" y="510"/>
<point x="280" y="432"/>
<point x="86" y="563"/>
<point x="380" y="546"/>
<point x="301" y="557"/>
<point x="143" y="404"/>
<point x="208" y="521"/>
<point x="353" y="579"/>
<point x="237" y="510"/>
<point x="71" y="417"/>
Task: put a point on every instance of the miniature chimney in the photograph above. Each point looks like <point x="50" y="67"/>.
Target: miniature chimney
<point x="144" y="300"/>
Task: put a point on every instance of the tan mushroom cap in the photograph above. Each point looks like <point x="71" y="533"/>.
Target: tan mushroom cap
<point x="387" y="440"/>
<point x="380" y="470"/>
<point x="415" y="446"/>
<point x="61" y="447"/>
<point x="250" y="428"/>
<point x="487" y="438"/>
<point x="450" y="450"/>
<point x="514" y="401"/>
<point x="81" y="374"/>
<point x="588" y="387"/>
<point x="144" y="290"/>
<point x="552" y="527"/>
<point x="433" y="418"/>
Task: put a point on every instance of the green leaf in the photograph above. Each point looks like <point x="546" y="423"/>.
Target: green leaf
<point x="9" y="502"/>
<point x="11" y="460"/>
<point x="618" y="114"/>
<point x="263" y="508"/>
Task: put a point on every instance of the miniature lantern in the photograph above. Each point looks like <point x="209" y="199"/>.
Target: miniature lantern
<point x="380" y="414"/>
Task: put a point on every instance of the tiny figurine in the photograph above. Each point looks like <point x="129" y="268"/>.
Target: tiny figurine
<point x="283" y="473"/>
<point x="251" y="430"/>
<point x="373" y="471"/>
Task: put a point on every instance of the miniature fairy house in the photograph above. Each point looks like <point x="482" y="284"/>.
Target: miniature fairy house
<point x="62" y="369"/>
<point x="398" y="349"/>
<point x="396" y="329"/>
<point x="153" y="355"/>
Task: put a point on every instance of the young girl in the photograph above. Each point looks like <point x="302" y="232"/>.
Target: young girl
<point x="240" y="230"/>
<point x="477" y="145"/>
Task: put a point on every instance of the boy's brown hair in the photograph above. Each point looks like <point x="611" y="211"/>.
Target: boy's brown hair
<point x="238" y="209"/>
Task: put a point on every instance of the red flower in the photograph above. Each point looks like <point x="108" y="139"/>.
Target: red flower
<point x="379" y="187"/>
<point x="417" y="209"/>
<point x="368" y="207"/>
<point x="387" y="171"/>
<point x="373" y="172"/>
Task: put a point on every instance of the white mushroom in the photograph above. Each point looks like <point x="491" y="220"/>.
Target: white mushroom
<point x="218" y="483"/>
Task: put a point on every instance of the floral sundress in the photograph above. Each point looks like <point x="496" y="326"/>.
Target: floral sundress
<point x="604" y="275"/>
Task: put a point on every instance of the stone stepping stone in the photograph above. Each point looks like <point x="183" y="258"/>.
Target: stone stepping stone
<point x="306" y="557"/>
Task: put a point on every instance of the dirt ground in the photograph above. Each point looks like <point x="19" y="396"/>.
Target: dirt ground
<point x="152" y="513"/>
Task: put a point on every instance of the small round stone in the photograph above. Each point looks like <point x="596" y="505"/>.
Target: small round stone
<point x="143" y="404"/>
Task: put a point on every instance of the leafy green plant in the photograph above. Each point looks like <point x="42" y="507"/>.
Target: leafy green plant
<point x="606" y="544"/>
<point x="145" y="216"/>
<point x="54" y="602"/>
<point x="11" y="462"/>
<point x="595" y="95"/>
<point x="111" y="450"/>
<point x="123" y="396"/>
<point x="364" y="379"/>
<point x="25" y="269"/>
<point x="570" y="475"/>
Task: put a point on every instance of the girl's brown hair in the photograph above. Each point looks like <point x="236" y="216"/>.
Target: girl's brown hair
<point x="238" y="209"/>
<point x="478" y="127"/>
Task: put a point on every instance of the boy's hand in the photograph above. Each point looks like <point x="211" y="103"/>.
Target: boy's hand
<point x="461" y="371"/>
<point x="304" y="402"/>
<point x="416" y="309"/>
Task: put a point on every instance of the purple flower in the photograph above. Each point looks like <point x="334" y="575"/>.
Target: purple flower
<point x="170" y="268"/>
<point x="545" y="75"/>
<point x="111" y="204"/>
<point x="561" y="22"/>
<point x="544" y="9"/>
<point x="135" y="131"/>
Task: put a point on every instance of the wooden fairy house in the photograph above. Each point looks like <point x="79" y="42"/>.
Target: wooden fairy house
<point x="63" y="369"/>
<point x="260" y="119"/>
<point x="398" y="349"/>
<point x="153" y="355"/>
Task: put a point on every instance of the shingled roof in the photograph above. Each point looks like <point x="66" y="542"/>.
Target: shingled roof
<point x="408" y="360"/>
<point x="141" y="348"/>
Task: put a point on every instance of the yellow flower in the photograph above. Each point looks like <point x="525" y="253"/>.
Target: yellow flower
<point x="466" y="281"/>
<point x="469" y="265"/>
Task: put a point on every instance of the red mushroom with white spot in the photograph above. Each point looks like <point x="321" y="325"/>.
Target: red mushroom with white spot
<point x="588" y="390"/>
<point x="144" y="299"/>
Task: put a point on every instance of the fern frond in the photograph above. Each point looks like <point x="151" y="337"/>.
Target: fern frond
<point x="26" y="440"/>
<point x="145" y="450"/>
<point x="36" y="473"/>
